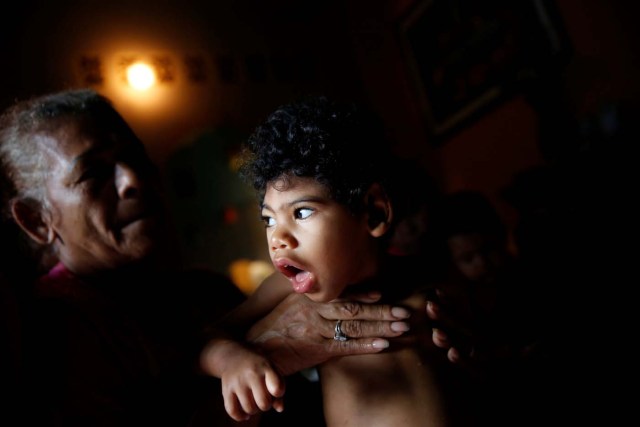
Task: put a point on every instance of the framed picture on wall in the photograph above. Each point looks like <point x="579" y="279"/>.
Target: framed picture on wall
<point x="466" y="56"/>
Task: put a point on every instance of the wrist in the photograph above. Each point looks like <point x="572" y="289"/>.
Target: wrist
<point x="216" y="355"/>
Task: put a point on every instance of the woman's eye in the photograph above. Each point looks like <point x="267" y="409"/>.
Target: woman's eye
<point x="303" y="213"/>
<point x="268" y="221"/>
<point x="93" y="173"/>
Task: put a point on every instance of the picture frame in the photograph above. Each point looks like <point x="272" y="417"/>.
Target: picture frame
<point x="466" y="56"/>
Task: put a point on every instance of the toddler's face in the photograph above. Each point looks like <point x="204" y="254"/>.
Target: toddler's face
<point x="315" y="241"/>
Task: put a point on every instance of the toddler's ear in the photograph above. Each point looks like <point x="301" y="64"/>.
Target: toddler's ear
<point x="379" y="210"/>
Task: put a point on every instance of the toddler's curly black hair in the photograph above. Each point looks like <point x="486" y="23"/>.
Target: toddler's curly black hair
<point x="340" y="145"/>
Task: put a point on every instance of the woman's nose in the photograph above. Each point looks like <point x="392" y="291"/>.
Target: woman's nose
<point x="128" y="181"/>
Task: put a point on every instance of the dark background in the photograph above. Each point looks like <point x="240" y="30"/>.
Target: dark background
<point x="229" y="63"/>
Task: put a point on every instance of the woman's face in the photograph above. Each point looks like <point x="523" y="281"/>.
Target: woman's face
<point x="103" y="202"/>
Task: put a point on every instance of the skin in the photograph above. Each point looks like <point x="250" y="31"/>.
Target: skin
<point x="298" y="333"/>
<point x="102" y="208"/>
<point x="295" y="335"/>
<point x="304" y="226"/>
<point x="307" y="229"/>
<point x="295" y="216"/>
<point x="103" y="212"/>
<point x="398" y="387"/>
<point x="478" y="258"/>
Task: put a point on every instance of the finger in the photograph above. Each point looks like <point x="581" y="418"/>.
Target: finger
<point x="278" y="404"/>
<point x="440" y="338"/>
<point x="234" y="409"/>
<point x="275" y="385"/>
<point x="371" y="328"/>
<point x="248" y="402"/>
<point x="262" y="398"/>
<point x="454" y="355"/>
<point x="440" y="314"/>
<point x="433" y="310"/>
<point x="358" y="346"/>
<point x="347" y="310"/>
<point x="458" y="352"/>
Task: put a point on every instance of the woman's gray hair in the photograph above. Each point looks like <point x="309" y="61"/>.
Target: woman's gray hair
<point x="22" y="127"/>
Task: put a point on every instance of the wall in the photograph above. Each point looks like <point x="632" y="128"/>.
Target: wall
<point x="598" y="68"/>
<point x="353" y="49"/>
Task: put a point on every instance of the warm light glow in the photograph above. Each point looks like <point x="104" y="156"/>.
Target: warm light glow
<point x="141" y="76"/>
<point x="248" y="274"/>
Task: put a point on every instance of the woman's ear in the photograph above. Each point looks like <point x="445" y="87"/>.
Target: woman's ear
<point x="379" y="210"/>
<point x="31" y="217"/>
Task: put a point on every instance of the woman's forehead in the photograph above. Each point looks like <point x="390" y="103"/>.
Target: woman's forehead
<point x="73" y="136"/>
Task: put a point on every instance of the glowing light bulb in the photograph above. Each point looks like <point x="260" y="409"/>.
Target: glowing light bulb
<point x="141" y="76"/>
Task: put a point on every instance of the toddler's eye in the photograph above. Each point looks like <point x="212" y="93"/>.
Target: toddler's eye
<point x="268" y="221"/>
<point x="303" y="213"/>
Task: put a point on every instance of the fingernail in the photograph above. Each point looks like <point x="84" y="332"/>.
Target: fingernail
<point x="399" y="326"/>
<point x="433" y="307"/>
<point x="380" y="343"/>
<point x="400" y="313"/>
